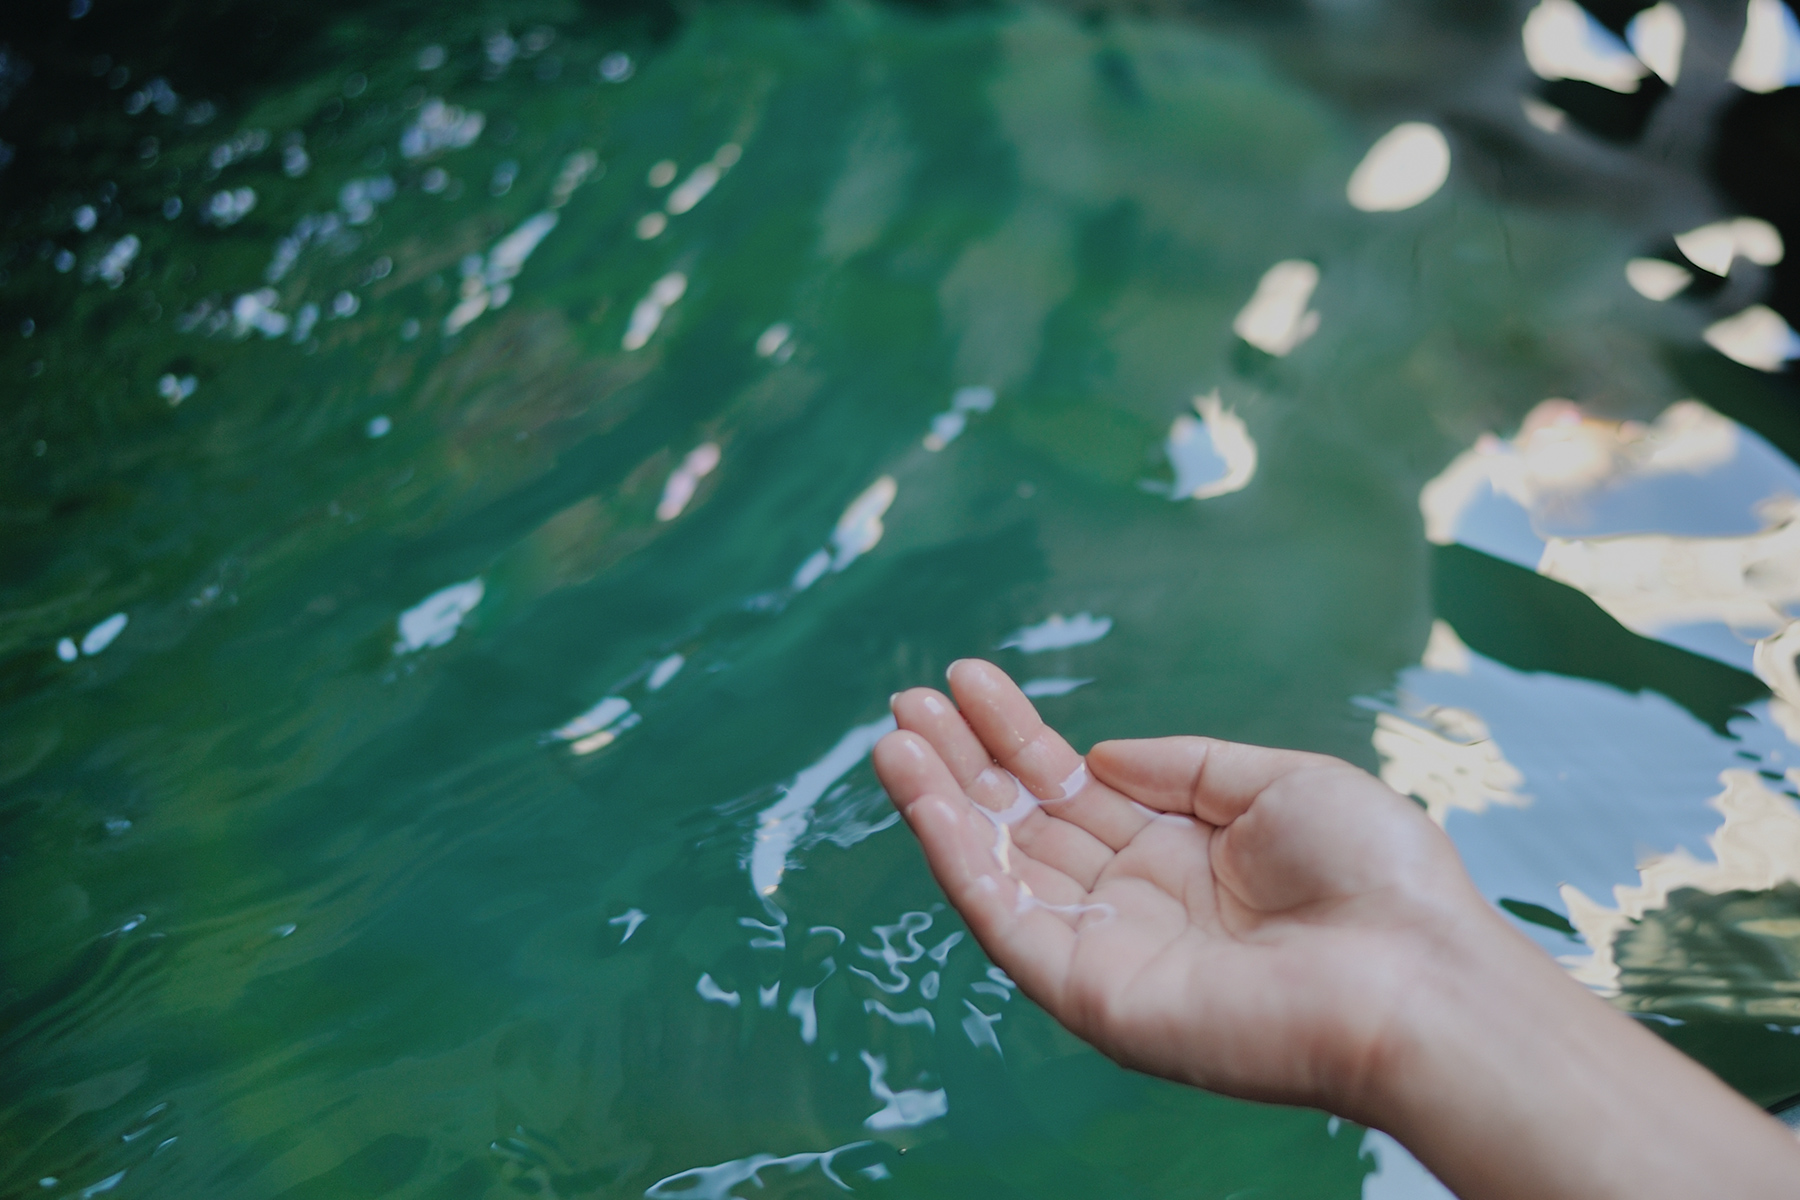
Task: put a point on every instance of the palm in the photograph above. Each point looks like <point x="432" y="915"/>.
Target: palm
<point x="1196" y="909"/>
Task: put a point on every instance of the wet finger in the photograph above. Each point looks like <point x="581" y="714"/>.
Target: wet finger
<point x="1011" y="730"/>
<point x="1030" y="942"/>
<point x="1207" y="778"/>
<point x="930" y="714"/>
<point x="910" y="766"/>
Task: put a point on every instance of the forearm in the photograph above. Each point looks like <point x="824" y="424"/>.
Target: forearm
<point x="1513" y="1081"/>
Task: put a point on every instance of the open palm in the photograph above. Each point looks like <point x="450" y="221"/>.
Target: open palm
<point x="1254" y="921"/>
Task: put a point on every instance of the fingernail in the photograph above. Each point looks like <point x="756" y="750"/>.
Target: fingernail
<point x="893" y="698"/>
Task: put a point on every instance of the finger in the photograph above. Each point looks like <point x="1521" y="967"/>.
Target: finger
<point x="1031" y="943"/>
<point x="1211" y="779"/>
<point x="1011" y="730"/>
<point x="930" y="714"/>
<point x="910" y="769"/>
<point x="910" y="765"/>
<point x="1068" y="848"/>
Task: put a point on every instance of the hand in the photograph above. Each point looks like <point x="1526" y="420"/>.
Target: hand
<point x="1281" y="926"/>
<point x="1257" y="922"/>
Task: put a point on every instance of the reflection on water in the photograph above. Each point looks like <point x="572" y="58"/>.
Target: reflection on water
<point x="1570" y="496"/>
<point x="1212" y="456"/>
<point x="1564" y="41"/>
<point x="1277" y="318"/>
<point x="475" y="479"/>
<point x="1768" y="59"/>
<point x="1404" y="168"/>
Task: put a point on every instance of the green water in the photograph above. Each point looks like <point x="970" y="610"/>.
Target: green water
<point x="296" y="908"/>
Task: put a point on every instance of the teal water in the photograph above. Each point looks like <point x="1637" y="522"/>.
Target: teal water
<point x="445" y="820"/>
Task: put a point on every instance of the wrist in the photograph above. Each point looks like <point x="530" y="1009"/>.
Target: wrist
<point x="1476" y="1000"/>
<point x="1507" y="1078"/>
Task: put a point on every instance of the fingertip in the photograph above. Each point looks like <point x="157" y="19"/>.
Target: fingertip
<point x="899" y="742"/>
<point x="976" y="678"/>
<point x="914" y="705"/>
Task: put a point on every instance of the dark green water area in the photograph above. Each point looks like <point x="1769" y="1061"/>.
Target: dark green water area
<point x="473" y="475"/>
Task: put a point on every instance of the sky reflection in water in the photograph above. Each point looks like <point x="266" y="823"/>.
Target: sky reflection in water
<point x="472" y="504"/>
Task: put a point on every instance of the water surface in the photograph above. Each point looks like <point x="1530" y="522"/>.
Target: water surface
<point x="528" y="446"/>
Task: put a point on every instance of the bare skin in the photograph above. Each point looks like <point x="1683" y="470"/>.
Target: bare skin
<point x="1281" y="926"/>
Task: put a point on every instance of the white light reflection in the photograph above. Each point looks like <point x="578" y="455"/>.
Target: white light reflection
<point x="1213" y="455"/>
<point x="228" y="207"/>
<point x="102" y="635"/>
<point x="946" y="427"/>
<point x="915" y="1016"/>
<point x="648" y="314"/>
<point x="1769" y="57"/>
<point x="662" y="173"/>
<point x="1570" y="497"/>
<point x="1053" y="685"/>
<point x="176" y="388"/>
<point x="1447" y="759"/>
<point x="1276" y="320"/>
<point x="774" y="340"/>
<point x="598" y="727"/>
<point x="575" y="171"/>
<point x="1657" y="36"/>
<point x="714" y="994"/>
<point x="616" y="67"/>
<point x="857" y="532"/>
<point x="911" y="925"/>
<point x="631" y="918"/>
<point x="1774" y="664"/>
<point x="782" y="824"/>
<point x="1756" y="848"/>
<point x="256" y="310"/>
<point x="1610" y="772"/>
<point x="1546" y="117"/>
<point x="978" y="1027"/>
<point x="664" y="671"/>
<point x="434" y="620"/>
<point x="704" y="178"/>
<point x="802" y="1008"/>
<point x="717" y="1182"/>
<point x="358" y="198"/>
<point x="1405" y="167"/>
<point x="117" y="260"/>
<point x="1758" y="337"/>
<point x="1712" y="247"/>
<point x="440" y="126"/>
<point x="900" y="1110"/>
<point x="685" y="480"/>
<point x="1656" y="584"/>
<point x="489" y="285"/>
<point x="1058" y="633"/>
<point x="1656" y="278"/>
<point x="105" y="1185"/>
<point x="1563" y="41"/>
<point x="1397" y="1174"/>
